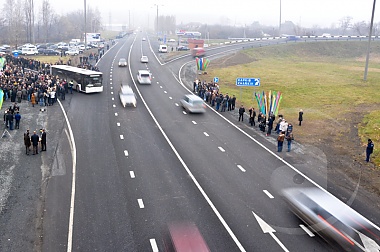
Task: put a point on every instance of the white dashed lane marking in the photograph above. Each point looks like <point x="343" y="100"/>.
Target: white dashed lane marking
<point x="170" y="97"/>
<point x="118" y="124"/>
<point x="184" y="112"/>
<point x="165" y="92"/>
<point x="176" y="104"/>
<point x="154" y="245"/>
<point x="194" y="122"/>
<point x="221" y="149"/>
<point x="111" y="92"/>
<point x="160" y="86"/>
<point x="116" y="114"/>
<point x="307" y="230"/>
<point x="114" y="105"/>
<point x="113" y="98"/>
<point x="111" y="87"/>
<point x="141" y="203"/>
<point x="268" y="194"/>
<point x="241" y="168"/>
<point x="205" y="133"/>
<point x="132" y="174"/>
<point x="121" y="137"/>
<point x="126" y="153"/>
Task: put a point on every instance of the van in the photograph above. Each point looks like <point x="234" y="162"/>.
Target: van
<point x="163" y="49"/>
<point x="29" y="50"/>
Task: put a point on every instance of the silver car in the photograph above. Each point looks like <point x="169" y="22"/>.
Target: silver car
<point x="193" y="104"/>
<point x="144" y="77"/>
<point x="127" y="96"/>
<point x="122" y="62"/>
<point x="327" y="216"/>
<point x="144" y="59"/>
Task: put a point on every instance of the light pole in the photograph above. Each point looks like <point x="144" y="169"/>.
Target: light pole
<point x="279" y="26"/>
<point x="369" y="42"/>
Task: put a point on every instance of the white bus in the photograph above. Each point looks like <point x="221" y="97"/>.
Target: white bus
<point x="84" y="80"/>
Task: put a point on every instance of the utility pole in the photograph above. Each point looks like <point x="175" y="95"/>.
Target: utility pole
<point x="369" y="42"/>
<point x="85" y="24"/>
<point x="279" y="26"/>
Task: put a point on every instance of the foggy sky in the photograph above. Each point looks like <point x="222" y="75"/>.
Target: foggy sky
<point x="306" y="13"/>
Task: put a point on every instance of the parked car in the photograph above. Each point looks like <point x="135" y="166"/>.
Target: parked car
<point x="183" y="48"/>
<point x="72" y="52"/>
<point x="127" y="96"/>
<point x="144" y="59"/>
<point x="171" y="40"/>
<point x="144" y="77"/>
<point x="123" y="62"/>
<point x="193" y="104"/>
<point x="51" y="52"/>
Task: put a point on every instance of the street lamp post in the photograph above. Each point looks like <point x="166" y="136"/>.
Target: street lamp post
<point x="369" y="42"/>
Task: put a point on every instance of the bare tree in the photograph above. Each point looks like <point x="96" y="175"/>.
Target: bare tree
<point x="29" y="19"/>
<point x="47" y="15"/>
<point x="345" y="24"/>
<point x="361" y="28"/>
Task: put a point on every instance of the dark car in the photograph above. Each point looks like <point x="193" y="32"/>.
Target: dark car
<point x="183" y="48"/>
<point x="51" y="52"/>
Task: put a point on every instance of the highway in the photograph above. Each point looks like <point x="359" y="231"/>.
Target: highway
<point x="136" y="170"/>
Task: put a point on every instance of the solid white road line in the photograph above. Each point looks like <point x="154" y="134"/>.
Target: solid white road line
<point x="205" y="133"/>
<point x="116" y="114"/>
<point x="154" y="245"/>
<point x="141" y="203"/>
<point x="73" y="183"/>
<point x="221" y="149"/>
<point x="268" y="194"/>
<point x="126" y="153"/>
<point x="194" y="122"/>
<point x="121" y="137"/>
<point x="241" y="168"/>
<point x="132" y="174"/>
<point x="279" y="242"/>
<point x="307" y="230"/>
<point x="118" y="124"/>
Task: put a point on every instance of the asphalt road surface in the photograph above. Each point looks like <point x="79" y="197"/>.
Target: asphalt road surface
<point x="115" y="177"/>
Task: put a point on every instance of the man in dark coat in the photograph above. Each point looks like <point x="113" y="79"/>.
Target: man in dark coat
<point x="27" y="142"/>
<point x="43" y="140"/>
<point x="35" y="139"/>
<point x="17" y="118"/>
<point x="300" y="117"/>
<point x="369" y="149"/>
<point x="241" y="113"/>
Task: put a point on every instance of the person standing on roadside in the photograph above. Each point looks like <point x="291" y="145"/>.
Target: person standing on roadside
<point x="300" y="117"/>
<point x="43" y="140"/>
<point x="280" y="141"/>
<point x="270" y="124"/>
<point x="35" y="139"/>
<point x="71" y="85"/>
<point x="17" y="119"/>
<point x="233" y="100"/>
<point x="369" y="149"/>
<point x="241" y="113"/>
<point x="27" y="142"/>
<point x="289" y="139"/>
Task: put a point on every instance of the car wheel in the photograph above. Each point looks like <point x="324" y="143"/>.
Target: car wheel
<point x="77" y="88"/>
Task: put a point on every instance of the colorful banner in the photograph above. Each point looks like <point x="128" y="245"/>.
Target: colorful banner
<point x="1" y="97"/>
<point x="202" y="63"/>
<point x="268" y="102"/>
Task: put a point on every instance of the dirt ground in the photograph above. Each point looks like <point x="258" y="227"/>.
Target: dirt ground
<point x="341" y="144"/>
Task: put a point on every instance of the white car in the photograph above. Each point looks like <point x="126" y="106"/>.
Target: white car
<point x="143" y="39"/>
<point x="193" y="104"/>
<point x="127" y="96"/>
<point x="171" y="40"/>
<point x="72" y="52"/>
<point x="144" y="59"/>
<point x="144" y="77"/>
<point x="123" y="62"/>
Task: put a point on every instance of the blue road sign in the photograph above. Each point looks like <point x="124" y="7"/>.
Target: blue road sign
<point x="245" y="82"/>
<point x="216" y="79"/>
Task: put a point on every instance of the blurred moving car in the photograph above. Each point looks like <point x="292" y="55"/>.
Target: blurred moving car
<point x="193" y="104"/>
<point x="183" y="48"/>
<point x="144" y="77"/>
<point x="123" y="62"/>
<point x="184" y="237"/>
<point x="327" y="216"/>
<point x="144" y="59"/>
<point x="127" y="96"/>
